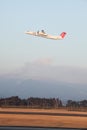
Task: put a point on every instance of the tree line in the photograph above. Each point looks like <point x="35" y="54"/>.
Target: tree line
<point x="35" y="102"/>
<point x="77" y="105"/>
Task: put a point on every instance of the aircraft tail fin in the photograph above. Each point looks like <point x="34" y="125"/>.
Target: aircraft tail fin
<point x="63" y="34"/>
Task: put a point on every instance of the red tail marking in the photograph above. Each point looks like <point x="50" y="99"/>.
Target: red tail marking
<point x="63" y="34"/>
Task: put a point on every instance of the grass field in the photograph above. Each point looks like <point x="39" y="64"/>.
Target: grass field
<point x="42" y="120"/>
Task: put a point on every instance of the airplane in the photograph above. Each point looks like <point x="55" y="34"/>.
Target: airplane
<point x="45" y="35"/>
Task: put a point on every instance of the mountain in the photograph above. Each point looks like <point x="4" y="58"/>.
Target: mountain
<point x="41" y="88"/>
<point x="41" y="79"/>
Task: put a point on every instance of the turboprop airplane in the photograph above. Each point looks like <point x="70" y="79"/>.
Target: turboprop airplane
<point x="45" y="35"/>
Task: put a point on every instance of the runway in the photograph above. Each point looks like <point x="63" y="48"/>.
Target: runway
<point x="44" y="113"/>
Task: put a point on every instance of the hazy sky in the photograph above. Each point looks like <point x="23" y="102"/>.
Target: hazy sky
<point x="54" y="16"/>
<point x="24" y="57"/>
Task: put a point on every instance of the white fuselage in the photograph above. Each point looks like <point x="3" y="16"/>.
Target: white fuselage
<point x="44" y="35"/>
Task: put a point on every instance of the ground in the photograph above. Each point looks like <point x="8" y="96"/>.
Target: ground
<point x="42" y="118"/>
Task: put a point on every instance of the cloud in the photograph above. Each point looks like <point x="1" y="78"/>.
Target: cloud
<point x="43" y="69"/>
<point x="44" y="61"/>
